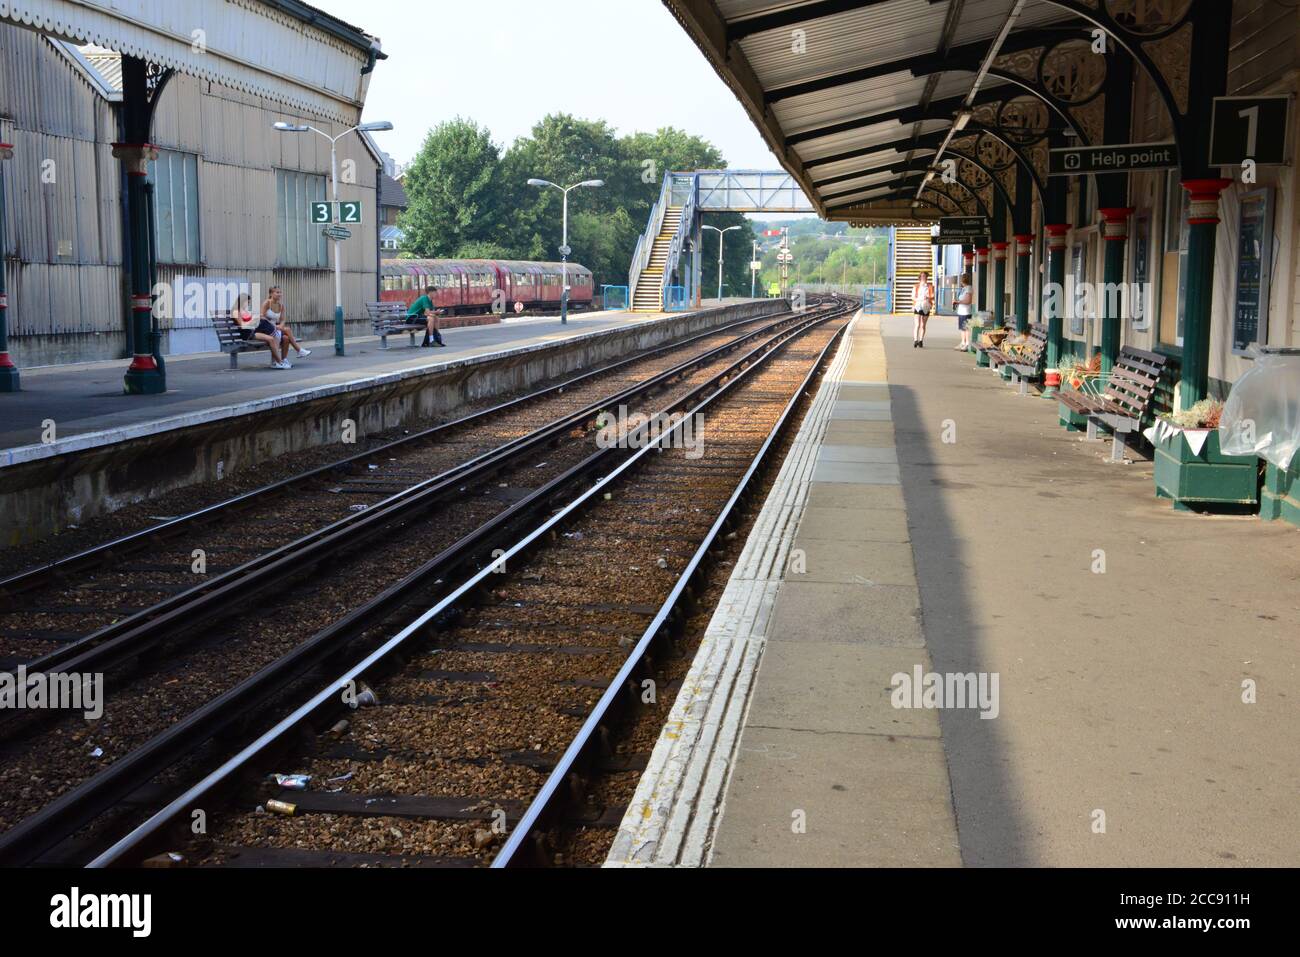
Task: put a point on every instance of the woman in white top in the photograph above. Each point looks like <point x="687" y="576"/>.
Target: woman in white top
<point x="922" y="306"/>
<point x="965" y="303"/>
<point x="273" y="316"/>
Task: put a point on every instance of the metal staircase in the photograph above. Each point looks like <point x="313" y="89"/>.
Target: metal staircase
<point x="648" y="293"/>
<point x="667" y="254"/>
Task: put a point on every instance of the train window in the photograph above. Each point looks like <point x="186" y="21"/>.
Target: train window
<point x="407" y="282"/>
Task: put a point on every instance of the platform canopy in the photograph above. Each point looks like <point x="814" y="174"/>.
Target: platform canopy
<point x="284" y="50"/>
<point x="857" y="98"/>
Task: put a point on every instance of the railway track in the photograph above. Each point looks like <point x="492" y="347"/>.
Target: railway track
<point x="56" y="610"/>
<point x="186" y="736"/>
<point x="496" y="702"/>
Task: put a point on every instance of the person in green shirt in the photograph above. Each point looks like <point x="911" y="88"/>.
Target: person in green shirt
<point x="423" y="308"/>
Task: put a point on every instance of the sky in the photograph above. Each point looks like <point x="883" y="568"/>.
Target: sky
<point x="508" y="63"/>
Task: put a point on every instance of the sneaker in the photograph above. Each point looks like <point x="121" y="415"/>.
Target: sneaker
<point x="303" y="353"/>
<point x="283" y="364"/>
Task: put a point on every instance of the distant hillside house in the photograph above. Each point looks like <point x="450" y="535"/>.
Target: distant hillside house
<point x="392" y="203"/>
<point x="231" y="202"/>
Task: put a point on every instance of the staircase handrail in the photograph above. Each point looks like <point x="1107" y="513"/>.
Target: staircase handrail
<point x="645" y="245"/>
<point x="680" y="237"/>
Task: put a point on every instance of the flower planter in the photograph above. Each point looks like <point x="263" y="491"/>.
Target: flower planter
<point x="1207" y="478"/>
<point x="1280" y="500"/>
<point x="1051" y="379"/>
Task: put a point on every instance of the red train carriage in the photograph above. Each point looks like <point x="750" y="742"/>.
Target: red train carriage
<point x="466" y="286"/>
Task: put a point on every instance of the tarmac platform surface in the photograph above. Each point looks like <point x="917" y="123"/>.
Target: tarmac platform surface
<point x="930" y="518"/>
<point x="88" y="397"/>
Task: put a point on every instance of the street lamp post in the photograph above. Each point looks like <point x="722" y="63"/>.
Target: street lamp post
<point x="722" y="233"/>
<point x="564" y="242"/>
<point x="753" y="273"/>
<point x="334" y="180"/>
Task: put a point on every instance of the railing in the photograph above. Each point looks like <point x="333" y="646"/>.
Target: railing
<point x="646" y="244"/>
<point x="877" y="300"/>
<point x="614" y="298"/>
<point x="674" y="299"/>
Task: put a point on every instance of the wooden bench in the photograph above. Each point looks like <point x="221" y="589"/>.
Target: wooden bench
<point x="1022" y="365"/>
<point x="389" y="318"/>
<point x="1126" y="399"/>
<point x="982" y="352"/>
<point x="230" y="340"/>
<point x="1028" y="366"/>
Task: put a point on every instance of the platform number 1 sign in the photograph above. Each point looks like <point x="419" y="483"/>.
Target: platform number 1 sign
<point x="1250" y="128"/>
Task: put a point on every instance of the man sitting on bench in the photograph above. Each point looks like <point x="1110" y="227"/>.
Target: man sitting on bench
<point x="422" y="308"/>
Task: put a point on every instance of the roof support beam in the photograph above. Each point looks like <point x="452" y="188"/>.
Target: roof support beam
<point x="793" y="16"/>
<point x="968" y="54"/>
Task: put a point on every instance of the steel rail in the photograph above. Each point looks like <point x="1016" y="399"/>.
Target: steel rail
<point x="33" y="577"/>
<point x="547" y="808"/>
<point x="45" y="829"/>
<point x="126" y="637"/>
<point x="331" y="696"/>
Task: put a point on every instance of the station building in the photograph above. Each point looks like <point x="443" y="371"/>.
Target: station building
<point x="182" y="97"/>
<point x="870" y="104"/>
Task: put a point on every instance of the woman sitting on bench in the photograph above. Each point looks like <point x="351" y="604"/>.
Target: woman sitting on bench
<point x="273" y="316"/>
<point x="262" y="330"/>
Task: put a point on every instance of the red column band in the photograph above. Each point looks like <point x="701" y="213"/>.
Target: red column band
<point x="1000" y="251"/>
<point x="1024" y="244"/>
<point x="1056" y="235"/>
<point x="1203" y="207"/>
<point x="1115" y="228"/>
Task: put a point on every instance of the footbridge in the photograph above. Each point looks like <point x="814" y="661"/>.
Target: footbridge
<point x="666" y="267"/>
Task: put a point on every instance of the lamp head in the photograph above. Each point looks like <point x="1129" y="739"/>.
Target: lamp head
<point x="376" y="127"/>
<point x="290" y="127"/>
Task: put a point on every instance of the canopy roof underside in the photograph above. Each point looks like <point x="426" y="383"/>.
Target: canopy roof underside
<point x="812" y="74"/>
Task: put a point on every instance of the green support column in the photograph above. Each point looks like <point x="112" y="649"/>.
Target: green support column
<point x="981" y="278"/>
<point x="1055" y="298"/>
<point x="8" y="371"/>
<point x="1115" y="235"/>
<point x="1000" y="253"/>
<point x="143" y="377"/>
<point x="1203" y="225"/>
<point x="1024" y="249"/>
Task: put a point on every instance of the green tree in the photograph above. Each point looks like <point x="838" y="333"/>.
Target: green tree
<point x="453" y="187"/>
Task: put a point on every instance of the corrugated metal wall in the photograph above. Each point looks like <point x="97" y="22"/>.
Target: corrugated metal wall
<point x="65" y="237"/>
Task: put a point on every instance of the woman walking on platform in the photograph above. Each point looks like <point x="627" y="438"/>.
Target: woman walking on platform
<point x="922" y="306"/>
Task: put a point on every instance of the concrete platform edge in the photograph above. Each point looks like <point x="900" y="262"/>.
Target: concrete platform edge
<point x="671" y="818"/>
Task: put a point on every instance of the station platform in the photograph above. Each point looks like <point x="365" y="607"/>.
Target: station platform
<point x="73" y="446"/>
<point x="87" y="398"/>
<point x="930" y="521"/>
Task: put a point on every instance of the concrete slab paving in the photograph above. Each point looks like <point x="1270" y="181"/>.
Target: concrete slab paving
<point x="848" y="613"/>
<point x="858" y="473"/>
<point x="816" y="799"/>
<point x="853" y="525"/>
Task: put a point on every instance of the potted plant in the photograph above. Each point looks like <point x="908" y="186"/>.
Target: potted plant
<point x="1189" y="466"/>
